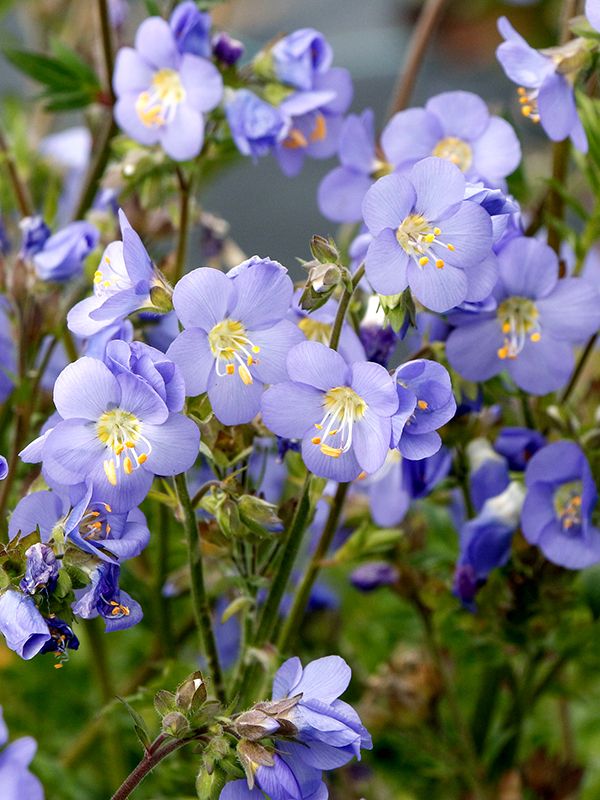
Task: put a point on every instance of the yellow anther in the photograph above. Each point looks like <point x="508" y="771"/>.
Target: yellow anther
<point x="535" y="337"/>
<point x="107" y="507"/>
<point x="523" y="100"/>
<point x="142" y="458"/>
<point x="423" y="260"/>
<point x="334" y="452"/>
<point x="316" y="440"/>
<point x="107" y="284"/>
<point x="295" y="140"/>
<point x="128" y="466"/>
<point x="423" y="404"/>
<point x="506" y="327"/>
<point x="230" y="369"/>
<point x="245" y="375"/>
<point x="255" y="348"/>
<point x="97" y="276"/>
<point x="320" y="130"/>
<point x="502" y="352"/>
<point x="526" y="110"/>
<point x="521" y="90"/>
<point x="111" y="472"/>
<point x="119" y="449"/>
<point x="250" y="361"/>
<point x="451" y="247"/>
<point x="439" y="263"/>
<point x="58" y="666"/>
<point x="318" y="426"/>
<point x="362" y="475"/>
<point x="129" y="443"/>
<point x="430" y="237"/>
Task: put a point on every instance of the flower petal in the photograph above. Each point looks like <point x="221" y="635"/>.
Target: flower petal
<point x="203" y="297"/>
<point x="85" y="389"/>
<point x="317" y="365"/>
<point x="192" y="354"/>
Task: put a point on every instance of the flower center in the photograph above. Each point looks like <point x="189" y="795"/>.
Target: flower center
<point x="528" y="101"/>
<point x="455" y="150"/>
<point x="567" y="504"/>
<point x="108" y="279"/>
<point x="120" y="431"/>
<point x="343" y="407"/>
<point x="227" y="340"/>
<point x="381" y="168"/>
<point x="314" y="330"/>
<point x="296" y="139"/>
<point x="94" y="525"/>
<point x="420" y="239"/>
<point x="518" y="317"/>
<point x="157" y="105"/>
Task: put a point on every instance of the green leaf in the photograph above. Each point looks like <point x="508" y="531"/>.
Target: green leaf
<point x="138" y="724"/>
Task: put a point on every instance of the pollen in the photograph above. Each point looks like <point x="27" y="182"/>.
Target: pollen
<point x="142" y="458"/>
<point x="423" y="404"/>
<point x="128" y="465"/>
<point x="333" y="452"/>
<point x="320" y="130"/>
<point x="244" y="374"/>
<point x="423" y="260"/>
<point x="316" y="440"/>
<point x="230" y="369"/>
<point x="439" y="263"/>
<point x="535" y="337"/>
<point x="157" y="106"/>
<point x="111" y="473"/>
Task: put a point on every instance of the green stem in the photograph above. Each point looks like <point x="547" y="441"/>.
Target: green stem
<point x="199" y="596"/>
<point x="164" y="634"/>
<point x="97" y="167"/>
<point x="19" y="188"/>
<point x="156" y="752"/>
<point x="555" y="203"/>
<point x="107" y="48"/>
<point x="579" y="367"/>
<point x="184" y="221"/>
<point x="294" y="619"/>
<point x="336" y="329"/>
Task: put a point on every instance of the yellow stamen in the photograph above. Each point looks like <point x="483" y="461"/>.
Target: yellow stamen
<point x="255" y="348"/>
<point x="451" y="247"/>
<point x="128" y="466"/>
<point x="423" y="404"/>
<point x="245" y="375"/>
<point x="111" y="472"/>
<point x="230" y="369"/>
<point x="334" y="452"/>
<point x="424" y="260"/>
<point x="320" y="129"/>
<point x="142" y="458"/>
<point x="316" y="440"/>
<point x="535" y="337"/>
<point x="295" y="140"/>
<point x="502" y="352"/>
<point x="439" y="263"/>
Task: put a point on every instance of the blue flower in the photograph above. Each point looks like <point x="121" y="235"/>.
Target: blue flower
<point x="191" y="29"/>
<point x="374" y="575"/>
<point x="300" y="57"/>
<point x="104" y="598"/>
<point x="16" y="781"/>
<point x="533" y="323"/>
<point x="35" y="234"/>
<point x="341" y="412"/>
<point x="518" y="445"/>
<point x="592" y="12"/>
<point x="426" y="403"/>
<point x="25" y="630"/>
<point x="561" y="500"/>
<point x="286" y="779"/>
<point x="456" y="126"/>
<point x="236" y="337"/>
<point x="163" y="93"/>
<point x="317" y="325"/>
<point x="63" y="254"/>
<point x="545" y="81"/>
<point x="485" y="541"/>
<point x="227" y="49"/>
<point x="124" y="282"/>
<point x="428" y="238"/>
<point x="115" y="431"/>
<point x="256" y="126"/>
<point x="488" y="472"/>
<point x="3" y="468"/>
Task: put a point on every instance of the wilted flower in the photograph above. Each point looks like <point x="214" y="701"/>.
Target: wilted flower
<point x="62" y="255"/>
<point x="342" y="412"/>
<point x="561" y="499"/>
<point x="428" y="238"/>
<point x="41" y="568"/>
<point x="104" y="598"/>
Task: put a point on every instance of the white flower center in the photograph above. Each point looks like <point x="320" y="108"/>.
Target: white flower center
<point x="227" y="341"/>
<point x="157" y="105"/>
<point x="518" y="317"/>
<point x="343" y="407"/>
<point x="120" y="431"/>
<point x="421" y="240"/>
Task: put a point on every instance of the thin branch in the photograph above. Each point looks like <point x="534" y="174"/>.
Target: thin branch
<point x="18" y="186"/>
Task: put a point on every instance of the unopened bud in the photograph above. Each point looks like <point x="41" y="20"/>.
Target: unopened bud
<point x="161" y="298"/>
<point x="253" y="755"/>
<point x="175" y="724"/>
<point x="324" y="250"/>
<point x="323" y="276"/>
<point x="258" y="515"/>
<point x="191" y="694"/>
<point x="210" y="786"/>
<point x="255" y="725"/>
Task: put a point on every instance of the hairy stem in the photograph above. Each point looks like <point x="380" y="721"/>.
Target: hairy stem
<point x="429" y="18"/>
<point x="199" y="596"/>
<point x="107" y="46"/>
<point x="294" y="619"/>
<point x="579" y="367"/>
<point x="336" y="329"/>
<point x="158" y="750"/>
<point x="19" y="188"/>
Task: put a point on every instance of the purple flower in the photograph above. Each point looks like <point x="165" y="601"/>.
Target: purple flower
<point x="426" y="403"/>
<point x="41" y="569"/>
<point x="3" y="468"/>
<point x="227" y="49"/>
<point x="488" y="476"/>
<point x="374" y="575"/>
<point x="485" y="541"/>
<point x="534" y="326"/>
<point x="330" y="732"/>
<point x="35" y="235"/>
<point x="22" y="625"/>
<point x="62" y="255"/>
<point x="342" y="190"/>
<point x="162" y="93"/>
<point x="287" y="779"/>
<point x="8" y="361"/>
<point x="428" y="238"/>
<point x="456" y="126"/>
<point x="592" y="12"/>
<point x="316" y="326"/>
<point x="256" y="126"/>
<point x="392" y="488"/>
<point x="191" y="29"/>
<point x="115" y="431"/>
<point x="236" y="337"/>
<point x="316" y="119"/>
<point x="125" y="281"/>
<point x="379" y="342"/>
<point x="561" y="499"/>
<point x="62" y="639"/>
<point x="545" y="81"/>
<point x="518" y="445"/>
<point x="300" y="57"/>
<point x="341" y="412"/>
<point x="16" y="782"/>
<point x="104" y="598"/>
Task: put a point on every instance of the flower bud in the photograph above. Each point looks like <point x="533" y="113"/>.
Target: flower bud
<point x="35" y="235"/>
<point x="191" y="694"/>
<point x="258" y="515"/>
<point x="162" y="298"/>
<point x="227" y="49"/>
<point x="255" y="725"/>
<point x="324" y="250"/>
<point x="253" y="755"/>
<point x="175" y="724"/>
<point x="210" y="785"/>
